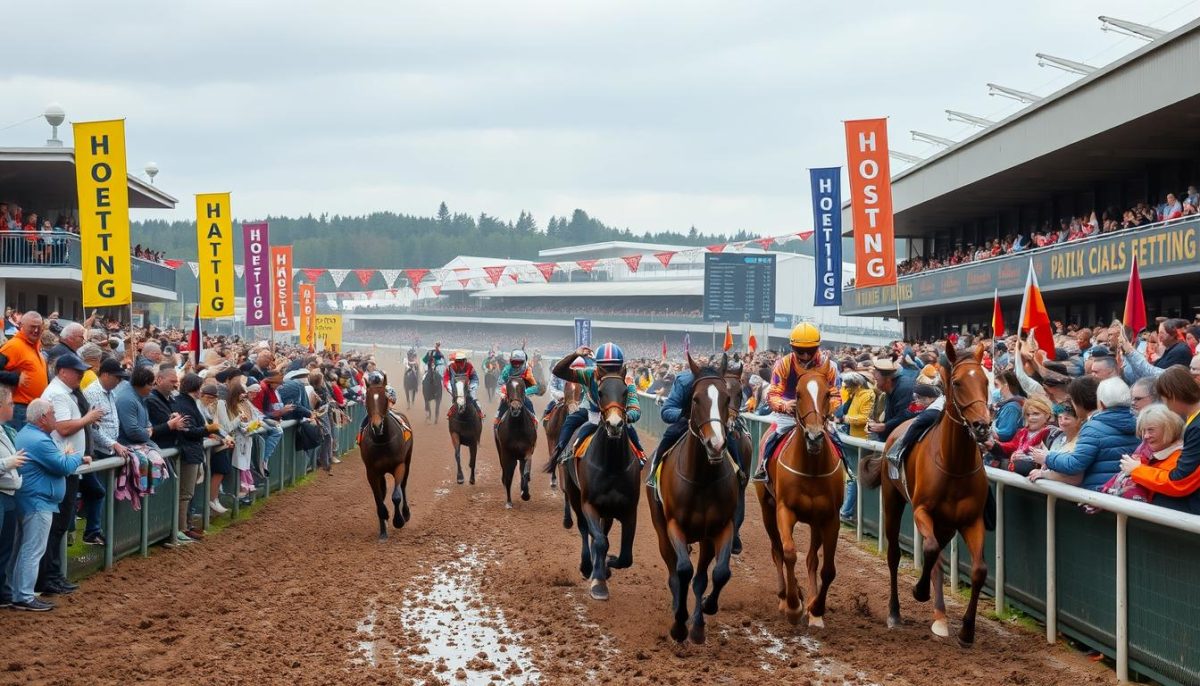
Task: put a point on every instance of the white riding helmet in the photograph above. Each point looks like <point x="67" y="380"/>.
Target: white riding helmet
<point x="518" y="356"/>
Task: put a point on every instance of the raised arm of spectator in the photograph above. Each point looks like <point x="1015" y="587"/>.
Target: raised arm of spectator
<point x="1030" y="386"/>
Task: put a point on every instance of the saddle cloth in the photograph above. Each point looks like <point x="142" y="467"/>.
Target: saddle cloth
<point x="581" y="446"/>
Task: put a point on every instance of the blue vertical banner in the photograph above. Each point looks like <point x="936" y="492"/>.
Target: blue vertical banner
<point x="583" y="333"/>
<point x="827" y="225"/>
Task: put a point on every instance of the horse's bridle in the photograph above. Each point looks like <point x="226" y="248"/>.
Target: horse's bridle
<point x="698" y="430"/>
<point x="960" y="409"/>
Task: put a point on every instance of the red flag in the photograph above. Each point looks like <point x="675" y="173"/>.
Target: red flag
<point x="764" y="243"/>
<point x="463" y="283"/>
<point x="364" y="276"/>
<point x="997" y="317"/>
<point x="586" y="265"/>
<point x="664" y="347"/>
<point x="1034" y="316"/>
<point x="173" y="264"/>
<point x="665" y="258"/>
<point x="513" y="276"/>
<point x="1135" y="303"/>
<point x="632" y="261"/>
<point x="546" y="268"/>
<point x="194" y="339"/>
<point x="804" y="235"/>
<point x="393" y="291"/>
<point x="493" y="273"/>
<point x="716" y="248"/>
<point x="313" y="274"/>
<point x="415" y="276"/>
<point x="728" y="339"/>
<point x="437" y="290"/>
<point x="752" y="344"/>
<point x="370" y="294"/>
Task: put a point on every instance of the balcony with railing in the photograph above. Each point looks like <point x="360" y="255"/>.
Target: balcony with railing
<point x="56" y="256"/>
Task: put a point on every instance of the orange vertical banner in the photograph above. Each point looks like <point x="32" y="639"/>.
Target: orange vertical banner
<point x="281" y="289"/>
<point x="871" y="202"/>
<point x="308" y="314"/>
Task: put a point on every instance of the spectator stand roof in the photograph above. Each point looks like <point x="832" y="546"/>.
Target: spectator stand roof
<point x="1106" y="125"/>
<point x="43" y="179"/>
<point x="639" y="287"/>
<point x="608" y="249"/>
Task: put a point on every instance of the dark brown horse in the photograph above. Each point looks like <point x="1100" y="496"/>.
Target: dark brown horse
<point x="464" y="424"/>
<point x="698" y="494"/>
<point x="386" y="448"/>
<point x="431" y="391"/>
<point x="516" y="437"/>
<point x="945" y="481"/>
<point x="411" y="382"/>
<point x="738" y="434"/>
<point x="806" y="486"/>
<point x="572" y="394"/>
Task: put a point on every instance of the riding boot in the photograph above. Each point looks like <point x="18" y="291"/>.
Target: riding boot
<point x="760" y="474"/>
<point x="895" y="456"/>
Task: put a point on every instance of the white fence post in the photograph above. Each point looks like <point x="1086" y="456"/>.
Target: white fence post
<point x="1122" y="599"/>
<point x="1000" y="605"/>
<point x="1051" y="571"/>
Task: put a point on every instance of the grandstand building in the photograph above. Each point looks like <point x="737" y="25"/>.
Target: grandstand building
<point x="642" y="307"/>
<point x="1073" y="164"/>
<point x="42" y="272"/>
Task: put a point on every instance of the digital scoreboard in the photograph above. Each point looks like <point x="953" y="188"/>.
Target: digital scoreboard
<point x="739" y="288"/>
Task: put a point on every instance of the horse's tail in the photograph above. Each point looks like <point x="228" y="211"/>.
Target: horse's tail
<point x="551" y="465"/>
<point x="870" y="471"/>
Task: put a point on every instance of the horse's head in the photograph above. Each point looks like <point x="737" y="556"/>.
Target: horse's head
<point x="812" y="403"/>
<point x="709" y="412"/>
<point x="514" y="395"/>
<point x="966" y="385"/>
<point x="733" y="381"/>
<point x="572" y="395"/>
<point x="376" y="401"/>
<point x="612" y="390"/>
<point x="460" y="390"/>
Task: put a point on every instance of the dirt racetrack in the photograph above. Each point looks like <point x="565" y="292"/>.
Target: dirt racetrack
<point x="470" y="593"/>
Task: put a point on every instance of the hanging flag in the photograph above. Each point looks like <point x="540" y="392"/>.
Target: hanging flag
<point x="664" y="348"/>
<point x="173" y="264"/>
<point x="313" y="274"/>
<point x="437" y="290"/>
<point x="632" y="261"/>
<point x="195" y="267"/>
<point x="586" y="265"/>
<point x="364" y="276"/>
<point x="415" y="276"/>
<point x="494" y="273"/>
<point x="871" y="202"/>
<point x="256" y="247"/>
<point x="102" y="188"/>
<point x="239" y="269"/>
<point x="513" y="276"/>
<point x="804" y="235"/>
<point x="715" y="248"/>
<point x="764" y="243"/>
<point x="281" y="288"/>
<point x="752" y="344"/>
<point x="389" y="276"/>
<point x="997" y="316"/>
<point x="195" y="341"/>
<point x="214" y="238"/>
<point x="728" y="345"/>
<point x="546" y="268"/>
<point x="664" y="258"/>
<point x="338" y="276"/>
<point x="463" y="283"/>
<point x="308" y="313"/>
<point x="1034" y="317"/>
<point x="827" y="218"/>
<point x="1135" y="303"/>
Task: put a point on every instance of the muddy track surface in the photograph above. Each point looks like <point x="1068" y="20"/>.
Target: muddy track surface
<point x="469" y="593"/>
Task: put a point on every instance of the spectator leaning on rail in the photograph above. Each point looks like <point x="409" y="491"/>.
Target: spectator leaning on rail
<point x="11" y="461"/>
<point x="44" y="484"/>
<point x="1107" y="434"/>
<point x="1161" y="431"/>
<point x="1175" y="481"/>
<point x="190" y="443"/>
<point x="105" y="435"/>
<point x="23" y="367"/>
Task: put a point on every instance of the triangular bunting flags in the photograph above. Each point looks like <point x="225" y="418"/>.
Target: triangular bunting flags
<point x="586" y="265"/>
<point x="239" y="269"/>
<point x="173" y="264"/>
<point x="715" y="248"/>
<point x="370" y="295"/>
<point x="764" y="243"/>
<point x="389" y="276"/>
<point x="463" y="283"/>
<point x="338" y="275"/>
<point x="195" y="267"/>
<point x="632" y="261"/>
<point x="546" y="268"/>
<point x="513" y="276"/>
<point x="295" y="271"/>
<point x="364" y="276"/>
<point x="415" y="276"/>
<point x="313" y="274"/>
<point x="665" y="258"/>
<point x="804" y="235"/>
<point x="437" y="290"/>
<point x="494" y="273"/>
<point x="392" y="292"/>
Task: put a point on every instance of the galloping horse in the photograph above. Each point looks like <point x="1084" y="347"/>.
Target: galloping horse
<point x="464" y="423"/>
<point x="516" y="437"/>
<point x="805" y="486"/>
<point x="572" y="395"/>
<point x="602" y="486"/>
<point x="944" y="480"/>
<point x="411" y="383"/>
<point x="738" y="434"/>
<point x="386" y="448"/>
<point x="490" y="376"/>
<point x="698" y="495"/>
<point x="431" y="389"/>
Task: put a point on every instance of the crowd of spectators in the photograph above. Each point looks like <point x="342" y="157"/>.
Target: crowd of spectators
<point x="28" y="238"/>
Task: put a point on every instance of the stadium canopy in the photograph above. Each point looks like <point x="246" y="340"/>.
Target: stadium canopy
<point x="608" y="249"/>
<point x="44" y="178"/>
<point x="595" y="289"/>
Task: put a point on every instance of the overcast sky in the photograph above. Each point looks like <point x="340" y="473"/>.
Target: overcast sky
<point x="651" y="115"/>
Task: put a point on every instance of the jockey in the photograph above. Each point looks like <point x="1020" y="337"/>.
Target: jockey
<point x="517" y="367"/>
<point x="434" y="358"/>
<point x="375" y="378"/>
<point x="805" y="341"/>
<point x="609" y="358"/>
<point x="461" y="365"/>
<point x="675" y="414"/>
<point x="558" y="388"/>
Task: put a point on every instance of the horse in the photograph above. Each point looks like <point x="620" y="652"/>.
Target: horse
<point x="737" y="433"/>
<point x="699" y="488"/>
<point x="386" y="448"/>
<point x="572" y="395"/>
<point x="490" y="377"/>
<point x="603" y="485"/>
<point x="945" y="481"/>
<point x="431" y="389"/>
<point x="807" y="486"/>
<point x="516" y="437"/>
<point x="411" y="383"/>
<point x="464" y="424"/>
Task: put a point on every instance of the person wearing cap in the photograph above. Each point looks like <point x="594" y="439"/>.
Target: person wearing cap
<point x="461" y="366"/>
<point x="898" y="388"/>
<point x="104" y="434"/>
<point x="434" y="358"/>
<point x="228" y="378"/>
<point x="927" y="403"/>
<point x="609" y="359"/>
<point x="517" y="367"/>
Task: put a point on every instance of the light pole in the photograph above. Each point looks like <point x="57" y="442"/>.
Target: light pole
<point x="54" y="116"/>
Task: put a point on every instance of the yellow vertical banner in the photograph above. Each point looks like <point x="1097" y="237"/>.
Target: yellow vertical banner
<point x="214" y="238"/>
<point x="329" y="330"/>
<point x="103" y="187"/>
<point x="308" y="313"/>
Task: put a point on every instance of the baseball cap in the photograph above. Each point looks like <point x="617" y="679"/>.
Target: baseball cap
<point x="70" y="361"/>
<point x="113" y="367"/>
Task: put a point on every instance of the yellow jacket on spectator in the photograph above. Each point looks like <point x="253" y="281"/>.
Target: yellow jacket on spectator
<point x="859" y="411"/>
<point x="88" y="377"/>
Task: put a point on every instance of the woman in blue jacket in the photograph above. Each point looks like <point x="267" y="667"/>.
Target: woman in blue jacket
<point x="1009" y="416"/>
<point x="1109" y="433"/>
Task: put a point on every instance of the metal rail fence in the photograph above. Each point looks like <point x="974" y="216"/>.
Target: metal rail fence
<point x="1120" y="581"/>
<point x="128" y="531"/>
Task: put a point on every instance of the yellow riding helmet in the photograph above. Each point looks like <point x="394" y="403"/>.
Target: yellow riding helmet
<point x="805" y="335"/>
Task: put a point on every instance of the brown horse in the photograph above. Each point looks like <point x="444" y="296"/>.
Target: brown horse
<point x="739" y="435"/>
<point x="464" y="423"/>
<point x="572" y="396"/>
<point x="945" y="481"/>
<point x="807" y="487"/>
<point x="697" y="498"/>
<point x="386" y="448"/>
<point x="516" y="437"/>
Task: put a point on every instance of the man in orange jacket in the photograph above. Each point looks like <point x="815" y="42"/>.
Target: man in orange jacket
<point x="22" y="366"/>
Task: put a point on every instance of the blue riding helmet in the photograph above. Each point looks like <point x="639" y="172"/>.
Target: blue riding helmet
<point x="610" y="357"/>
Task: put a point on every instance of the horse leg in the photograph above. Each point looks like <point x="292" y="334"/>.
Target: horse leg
<point x="767" y="503"/>
<point x="973" y="536"/>
<point x="666" y="550"/>
<point x="437" y="415"/>
<point x="893" y="506"/>
<point x="457" y="456"/>
<point x="399" y="476"/>
<point x="699" y="585"/>
<point x="405" y="511"/>
<point x="829" y="540"/>
<point x="680" y="577"/>
<point x="628" y="528"/>
<point x="721" y="574"/>
<point x="378" y="487"/>
<point x="787" y="523"/>
<point x="739" y="516"/>
<point x="940" y="626"/>
<point x="525" y="462"/>
<point x="930" y="548"/>
<point x="507" y="467"/>
<point x="474" y="450"/>
<point x="596" y="529"/>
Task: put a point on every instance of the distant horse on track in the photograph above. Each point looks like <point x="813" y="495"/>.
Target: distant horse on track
<point x="490" y="378"/>
<point x="431" y="389"/>
<point x="464" y="423"/>
<point x="411" y="383"/>
<point x="386" y="448"/>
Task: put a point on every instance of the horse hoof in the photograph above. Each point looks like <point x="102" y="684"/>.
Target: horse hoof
<point x="459" y="481"/>
<point x="599" y="590"/>
<point x="382" y="537"/>
<point x="679" y="632"/>
<point x="737" y="546"/>
<point x="963" y="643"/>
<point x="815" y="622"/>
<point x="940" y="628"/>
<point x="508" y="506"/>
<point x="893" y="622"/>
<point x="709" y="606"/>
<point x="618" y="563"/>
<point x="793" y="616"/>
<point x="525" y="495"/>
<point x="783" y="608"/>
<point x="920" y="594"/>
<point x="697" y="634"/>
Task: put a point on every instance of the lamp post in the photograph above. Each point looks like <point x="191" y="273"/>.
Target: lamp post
<point x="54" y="116"/>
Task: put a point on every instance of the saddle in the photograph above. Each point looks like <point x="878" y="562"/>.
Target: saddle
<point x="405" y="426"/>
<point x="898" y="454"/>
